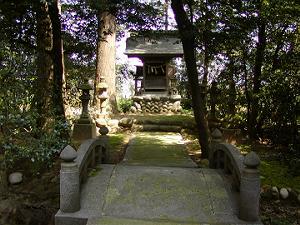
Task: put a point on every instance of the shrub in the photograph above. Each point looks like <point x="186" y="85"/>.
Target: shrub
<point x="186" y="103"/>
<point x="23" y="147"/>
<point x="124" y="104"/>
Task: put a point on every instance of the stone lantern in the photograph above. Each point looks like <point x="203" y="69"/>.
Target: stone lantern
<point x="84" y="128"/>
<point x="103" y="96"/>
<point x="85" y="98"/>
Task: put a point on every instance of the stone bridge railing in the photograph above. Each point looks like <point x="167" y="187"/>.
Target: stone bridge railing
<point x="75" y="167"/>
<point x="244" y="173"/>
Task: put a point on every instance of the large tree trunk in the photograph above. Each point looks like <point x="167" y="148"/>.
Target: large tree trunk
<point x="57" y="55"/>
<point x="232" y="89"/>
<point x="186" y="31"/>
<point x="166" y="6"/>
<point x="259" y="59"/>
<point x="44" y="64"/>
<point x="106" y="57"/>
<point x="206" y="57"/>
<point x="246" y="84"/>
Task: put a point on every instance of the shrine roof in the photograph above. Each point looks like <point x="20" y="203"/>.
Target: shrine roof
<point x="154" y="44"/>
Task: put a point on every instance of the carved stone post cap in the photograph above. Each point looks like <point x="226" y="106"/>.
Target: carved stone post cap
<point x="68" y="154"/>
<point x="216" y="134"/>
<point x="103" y="130"/>
<point x="251" y="160"/>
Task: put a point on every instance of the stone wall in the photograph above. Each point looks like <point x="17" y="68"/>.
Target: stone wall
<point x="156" y="104"/>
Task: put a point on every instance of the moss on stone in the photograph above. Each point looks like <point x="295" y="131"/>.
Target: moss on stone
<point x="94" y="171"/>
<point x="116" y="146"/>
<point x="123" y="221"/>
<point x="157" y="149"/>
<point x="112" y="194"/>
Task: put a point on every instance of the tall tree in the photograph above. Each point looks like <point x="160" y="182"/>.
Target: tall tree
<point x="131" y="14"/>
<point x="50" y="69"/>
<point x="106" y="55"/>
<point x="44" y="40"/>
<point x="257" y="72"/>
<point x="58" y="60"/>
<point x="187" y="34"/>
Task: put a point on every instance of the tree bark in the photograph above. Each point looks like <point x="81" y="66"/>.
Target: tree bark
<point x="166" y="6"/>
<point x="44" y="64"/>
<point x="58" y="66"/>
<point x="187" y="34"/>
<point x="106" y="58"/>
<point x="246" y="84"/>
<point x="259" y="59"/>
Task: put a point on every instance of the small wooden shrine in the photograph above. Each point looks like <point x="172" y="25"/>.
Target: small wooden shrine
<point x="155" y="82"/>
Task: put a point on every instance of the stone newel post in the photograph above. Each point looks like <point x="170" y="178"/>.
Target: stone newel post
<point x="250" y="189"/>
<point x="69" y="181"/>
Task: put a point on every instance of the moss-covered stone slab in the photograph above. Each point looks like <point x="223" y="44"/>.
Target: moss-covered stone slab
<point x="182" y="195"/>
<point x="157" y="149"/>
<point x="162" y="193"/>
<point x="123" y="221"/>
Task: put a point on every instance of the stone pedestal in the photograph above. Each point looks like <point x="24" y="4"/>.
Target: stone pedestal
<point x="156" y="104"/>
<point x="83" y="131"/>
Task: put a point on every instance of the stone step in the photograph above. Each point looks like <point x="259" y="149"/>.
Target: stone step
<point x="182" y="122"/>
<point x="126" y="221"/>
<point x="156" y="127"/>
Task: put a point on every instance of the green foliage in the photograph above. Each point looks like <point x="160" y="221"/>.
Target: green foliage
<point x="124" y="104"/>
<point x="237" y="120"/>
<point x="274" y="171"/>
<point x="186" y="103"/>
<point x="23" y="146"/>
<point x="277" y="174"/>
<point x="21" y="141"/>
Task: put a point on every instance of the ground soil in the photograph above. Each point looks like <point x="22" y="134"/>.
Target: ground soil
<point x="33" y="202"/>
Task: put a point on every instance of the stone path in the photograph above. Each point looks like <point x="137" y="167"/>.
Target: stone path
<point x="156" y="184"/>
<point x="157" y="149"/>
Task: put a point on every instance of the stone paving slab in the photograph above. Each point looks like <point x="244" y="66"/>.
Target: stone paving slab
<point x="183" y="195"/>
<point x="122" y="221"/>
<point x="157" y="149"/>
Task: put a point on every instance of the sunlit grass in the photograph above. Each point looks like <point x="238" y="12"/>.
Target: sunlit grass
<point x="116" y="146"/>
<point x="277" y="174"/>
<point x="272" y="172"/>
